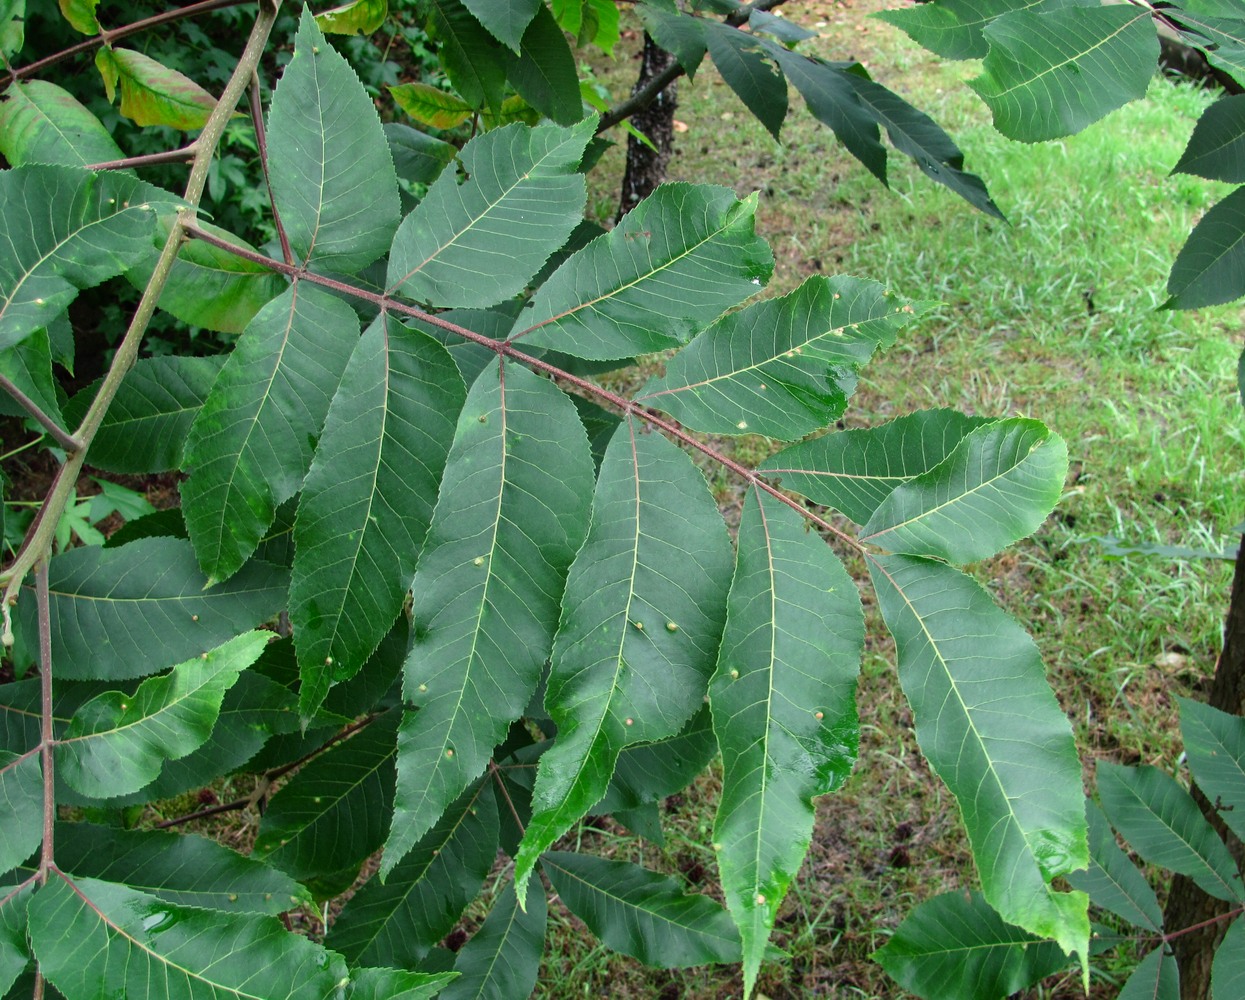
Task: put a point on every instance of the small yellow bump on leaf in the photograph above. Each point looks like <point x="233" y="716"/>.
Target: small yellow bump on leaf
<point x="478" y="561"/>
<point x="819" y="715"/>
<point x="672" y="626"/>
<point x="742" y="425"/>
<point x="194" y="618"/>
<point x="483" y="418"/>
<point x="639" y="626"/>
<point x="315" y="50"/>
<point x="124" y="706"/>
<point x="837" y="295"/>
<point x="328" y="661"/>
<point x="295" y="900"/>
<point x="734" y="673"/>
<point x="267" y="895"/>
<point x="630" y="722"/>
<point x="449" y="752"/>
<point x="764" y="386"/>
<point x="717" y="846"/>
<point x="233" y="897"/>
<point x="423" y="687"/>
<point x="760" y="899"/>
<point x="203" y="656"/>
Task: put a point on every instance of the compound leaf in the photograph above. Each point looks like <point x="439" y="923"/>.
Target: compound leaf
<point x="130" y="611"/>
<point x="955" y="945"/>
<point x="368" y="499"/>
<point x="251" y="443"/>
<point x="630" y="291"/>
<point x="96" y="938"/>
<point x="989" y="725"/>
<point x="784" y="709"/>
<point x="780" y="367"/>
<point x="502" y="959"/>
<point x="513" y="511"/>
<point x="853" y="471"/>
<point x="478" y="242"/>
<point x="640" y="625"/>
<point x="642" y="913"/>
<point x="997" y="486"/>
<point x="117" y="743"/>
<point x="1113" y="881"/>
<point x="41" y="123"/>
<point x="333" y="180"/>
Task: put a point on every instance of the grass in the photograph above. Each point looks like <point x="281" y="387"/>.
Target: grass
<point x="1055" y="315"/>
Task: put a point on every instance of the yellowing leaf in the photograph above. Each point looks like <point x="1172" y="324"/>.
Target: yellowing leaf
<point x="81" y="14"/>
<point x="431" y="106"/>
<point x="151" y="93"/>
<point x="358" y="17"/>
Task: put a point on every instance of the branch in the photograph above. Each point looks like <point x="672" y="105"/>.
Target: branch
<point x="642" y="98"/>
<point x="508" y="350"/>
<point x="165" y="17"/>
<point x="63" y="437"/>
<point x="169" y="156"/>
<point x="47" y="735"/>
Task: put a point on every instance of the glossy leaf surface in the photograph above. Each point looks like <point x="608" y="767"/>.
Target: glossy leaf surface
<point x="784" y="709"/>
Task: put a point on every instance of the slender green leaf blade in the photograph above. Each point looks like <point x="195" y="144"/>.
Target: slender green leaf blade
<point x="417" y="157"/>
<point x="41" y="123"/>
<point x="1210" y="268"/>
<point x="642" y="913"/>
<point x="648" y="772"/>
<point x="995" y="487"/>
<point x="182" y="869"/>
<point x="854" y="471"/>
<point x="1214" y="742"/>
<point x="1222" y="39"/>
<point x="396" y="984"/>
<point x="117" y="743"/>
<point x="677" y="32"/>
<point x="1112" y="881"/>
<point x="784" y="709"/>
<point x="1051" y="74"/>
<point x="145" y="428"/>
<point x="478" y="242"/>
<point x="251" y="443"/>
<point x="1165" y="826"/>
<point x="748" y="70"/>
<point x="334" y="812"/>
<point x="152" y="93"/>
<point x="505" y="21"/>
<point x="955" y="945"/>
<point x="990" y="727"/>
<point x="502" y="959"/>
<point x="368" y="500"/>
<point x="1227" y="974"/>
<point x="333" y="180"/>
<point x="1155" y="978"/>
<point x="627" y="292"/>
<point x="470" y="56"/>
<point x="512" y="513"/>
<point x="130" y="611"/>
<point x="66" y="229"/>
<point x="96" y="938"/>
<point x="12" y="26"/>
<point x="430" y="105"/>
<point x="396" y="923"/>
<point x="955" y="29"/>
<point x="544" y="70"/>
<point x="21" y="792"/>
<point x="780" y="367"/>
<point x="641" y="620"/>
<point x="14" y="948"/>
<point x="28" y="366"/>
<point x="1216" y="149"/>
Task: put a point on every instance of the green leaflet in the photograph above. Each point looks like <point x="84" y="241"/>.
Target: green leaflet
<point x="1155" y="978"/>
<point x="396" y="984"/>
<point x="544" y="71"/>
<point x="12" y="38"/>
<point x="81" y="14"/>
<point x="41" y="123"/>
<point x="640" y="625"/>
<point x="251" y="443"/>
<point x="396" y="922"/>
<point x="151" y="93"/>
<point x="130" y="611"/>
<point x="996" y="486"/>
<point x="333" y="180"/>
<point x="28" y="366"/>
<point x="21" y="791"/>
<point x="470" y="56"/>
<point x="117" y="743"/>
<point x="513" y="511"/>
<point x="780" y="367"/>
<point x="955" y="945"/>
<point x="356" y="17"/>
<point x="79" y="229"/>
<point x="1216" y="149"/>
<point x="506" y="21"/>
<point x="954" y="29"/>
<point x="14" y="949"/>
<point x="1164" y="825"/>
<point x="1210" y="268"/>
<point x="368" y="500"/>
<point x="182" y="869"/>
<point x="1227" y="977"/>
<point x="648" y="772"/>
<point x="502" y="959"/>
<point x="625" y="293"/>
<point x="431" y="105"/>
<point x="1221" y="38"/>
<point x="990" y="727"/>
<point x="641" y="913"/>
<point x="1113" y="881"/>
<point x="95" y="938"/>
<point x="678" y="33"/>
<point x="784" y="709"/>
<point x="478" y="242"/>
<point x="1051" y="74"/>
<point x="145" y="427"/>
<point x="853" y="471"/>
<point x="417" y="157"/>
<point x="323" y="824"/>
<point x="746" y="67"/>
<point x="1214" y="742"/>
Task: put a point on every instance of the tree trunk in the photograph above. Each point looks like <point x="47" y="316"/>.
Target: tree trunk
<point x="646" y="168"/>
<point x="1188" y="905"/>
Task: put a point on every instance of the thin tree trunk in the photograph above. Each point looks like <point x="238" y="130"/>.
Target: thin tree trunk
<point x="646" y="168"/>
<point x="1188" y="905"/>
